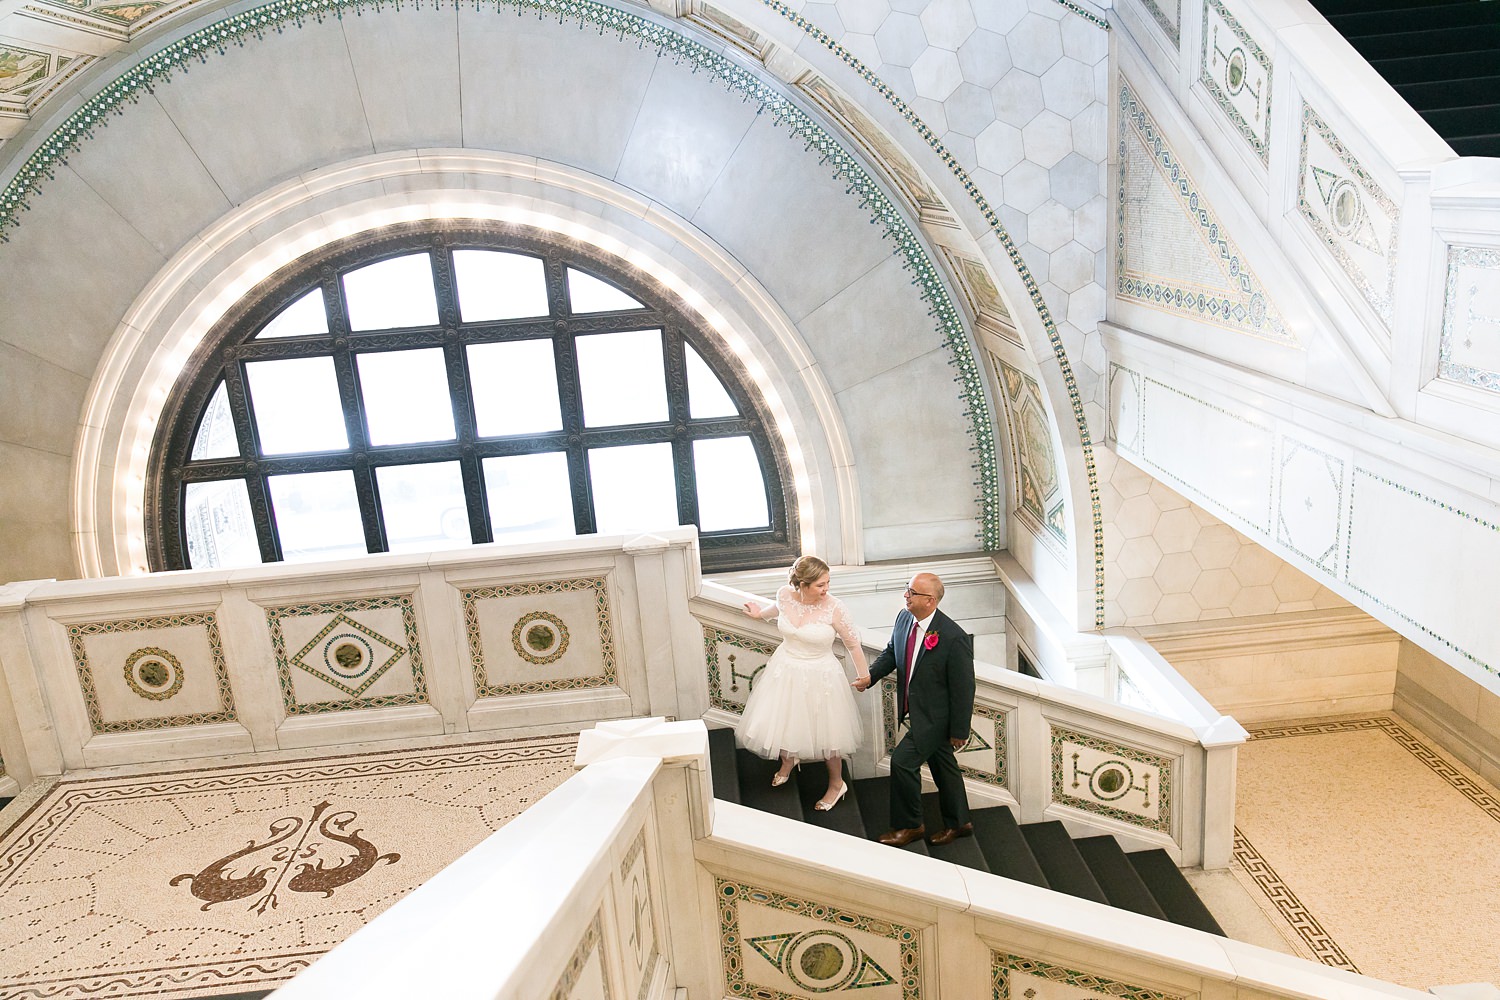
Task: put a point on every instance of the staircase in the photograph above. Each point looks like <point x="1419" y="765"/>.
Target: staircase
<point x="1439" y="55"/>
<point x="1040" y="853"/>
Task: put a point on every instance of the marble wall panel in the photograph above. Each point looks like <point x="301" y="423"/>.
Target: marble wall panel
<point x="1014" y="977"/>
<point x="1237" y="73"/>
<point x="550" y="635"/>
<point x="586" y="976"/>
<point x="869" y="327"/>
<point x="44" y="402"/>
<point x="1100" y="776"/>
<point x="636" y="906"/>
<point x="734" y="662"/>
<point x="1469" y="349"/>
<point x="423" y="43"/>
<point x="339" y="655"/>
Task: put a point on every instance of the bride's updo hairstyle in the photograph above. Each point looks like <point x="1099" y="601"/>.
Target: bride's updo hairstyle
<point x="807" y="570"/>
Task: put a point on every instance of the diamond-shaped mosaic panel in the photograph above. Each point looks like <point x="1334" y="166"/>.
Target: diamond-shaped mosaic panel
<point x="152" y="673"/>
<point x="776" y="946"/>
<point x="529" y="638"/>
<point x="1017" y="978"/>
<point x="338" y="655"/>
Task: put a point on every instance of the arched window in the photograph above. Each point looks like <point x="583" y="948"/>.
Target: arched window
<point x="445" y="384"/>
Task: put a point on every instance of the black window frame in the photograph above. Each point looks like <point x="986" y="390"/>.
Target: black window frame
<point x="231" y="344"/>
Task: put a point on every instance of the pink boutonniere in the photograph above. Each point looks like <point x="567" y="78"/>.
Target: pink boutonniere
<point x="930" y="642"/>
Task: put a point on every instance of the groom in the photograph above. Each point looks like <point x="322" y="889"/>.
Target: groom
<point x="934" y="662"/>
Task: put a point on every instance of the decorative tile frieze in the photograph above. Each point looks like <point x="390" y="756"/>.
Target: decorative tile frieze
<point x="1106" y="778"/>
<point x="156" y="672"/>
<point x="24" y="71"/>
<point x="1469" y="350"/>
<point x="1237" y="73"/>
<point x="635" y="916"/>
<point x="985" y="304"/>
<point x="1015" y="978"/>
<point x="122" y="13"/>
<point x="1352" y="215"/>
<point x="734" y="663"/>
<point x="1310" y="508"/>
<point x="1172" y="253"/>
<point x="1168" y="17"/>
<point x="1039" y="489"/>
<point x="777" y="946"/>
<point x="586" y="976"/>
<point x="529" y="638"/>
<point x="335" y="656"/>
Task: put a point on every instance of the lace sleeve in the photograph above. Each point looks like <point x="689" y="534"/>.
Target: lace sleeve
<point x="844" y="625"/>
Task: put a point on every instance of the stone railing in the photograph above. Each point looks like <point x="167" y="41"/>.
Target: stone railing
<point x="181" y="665"/>
<point x="1046" y="751"/>
<point x="630" y="880"/>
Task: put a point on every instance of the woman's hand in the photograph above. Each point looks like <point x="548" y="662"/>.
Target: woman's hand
<point x="752" y="609"/>
<point x="860" y="683"/>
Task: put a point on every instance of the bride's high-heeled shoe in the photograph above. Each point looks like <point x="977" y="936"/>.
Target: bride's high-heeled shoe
<point x="824" y="805"/>
<point x="778" y="779"/>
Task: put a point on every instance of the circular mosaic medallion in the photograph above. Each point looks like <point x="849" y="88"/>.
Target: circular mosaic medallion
<point x="821" y="961"/>
<point x="348" y="655"/>
<point x="1111" y="780"/>
<point x="153" y="673"/>
<point x="1234" y="73"/>
<point x="1344" y="208"/>
<point x="539" y="637"/>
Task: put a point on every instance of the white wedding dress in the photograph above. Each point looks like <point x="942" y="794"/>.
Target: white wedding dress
<point x="801" y="701"/>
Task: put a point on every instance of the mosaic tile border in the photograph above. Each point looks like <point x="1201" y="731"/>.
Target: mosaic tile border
<point x="1381" y="300"/>
<point x="1256" y="316"/>
<point x="1164" y="786"/>
<point x="471" y="598"/>
<point x="988" y="472"/>
<point x="633" y="853"/>
<point x="590" y="944"/>
<point x="999" y="779"/>
<point x="1261" y="146"/>
<point x="729" y="893"/>
<point x="1290" y="446"/>
<point x="274" y="618"/>
<point x="1002" y="964"/>
<point x="210" y="625"/>
<point x="1292" y="910"/>
<point x="713" y="636"/>
<point x="1168" y="26"/>
<point x="1448" y="369"/>
<point x="1348" y="549"/>
<point x="1032" y="505"/>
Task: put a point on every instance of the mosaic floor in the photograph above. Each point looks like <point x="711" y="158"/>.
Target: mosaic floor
<point x="186" y="884"/>
<point x="1371" y="850"/>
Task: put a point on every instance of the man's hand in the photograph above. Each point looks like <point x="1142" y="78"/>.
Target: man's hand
<point x="860" y="683"/>
<point x="958" y="744"/>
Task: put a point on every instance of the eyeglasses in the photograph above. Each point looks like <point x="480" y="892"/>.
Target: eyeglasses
<point x="915" y="593"/>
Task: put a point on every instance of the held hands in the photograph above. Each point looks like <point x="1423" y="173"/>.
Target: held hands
<point x="860" y="683"/>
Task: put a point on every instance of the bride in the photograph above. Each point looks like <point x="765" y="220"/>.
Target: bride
<point x="801" y="705"/>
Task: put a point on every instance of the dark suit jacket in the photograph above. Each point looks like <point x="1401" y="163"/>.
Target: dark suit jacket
<point x="942" y="688"/>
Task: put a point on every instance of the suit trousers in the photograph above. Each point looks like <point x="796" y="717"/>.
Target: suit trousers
<point x="906" y="784"/>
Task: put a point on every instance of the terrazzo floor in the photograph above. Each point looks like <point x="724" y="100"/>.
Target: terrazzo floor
<point x="1370" y="850"/>
<point x="231" y="879"/>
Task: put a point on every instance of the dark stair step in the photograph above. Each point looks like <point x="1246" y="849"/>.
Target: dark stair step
<point x="1173" y="892"/>
<point x="1451" y="93"/>
<point x="1414" y="68"/>
<point x="1340" y="8"/>
<point x="1060" y="861"/>
<point x="1384" y="22"/>
<point x="1005" y="848"/>
<point x="721" y="765"/>
<point x="1118" y="878"/>
<point x="963" y="851"/>
<point x="874" y="797"/>
<point x="1482" y="39"/>
<point x="1481" y="120"/>
<point x="756" y="791"/>
<point x="812" y="783"/>
<point x="1476" y="145"/>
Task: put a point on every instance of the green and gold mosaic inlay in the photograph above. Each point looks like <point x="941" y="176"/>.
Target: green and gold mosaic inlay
<point x="1009" y="976"/>
<point x="1117" y="781"/>
<point x="529" y="628"/>
<point x="153" y="672"/>
<point x="729" y="667"/>
<point x="348" y="655"/>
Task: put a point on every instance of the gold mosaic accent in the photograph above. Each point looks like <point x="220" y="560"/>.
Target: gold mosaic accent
<point x="1005" y="969"/>
<point x="78" y="634"/>
<point x="731" y="667"/>
<point x="1118" y="787"/>
<point x="995" y="717"/>
<point x="348" y="655"/>
<point x="153" y="673"/>
<point x="590" y="950"/>
<point x="471" y="601"/>
<point x="540" y="637"/>
<point x="821" y="959"/>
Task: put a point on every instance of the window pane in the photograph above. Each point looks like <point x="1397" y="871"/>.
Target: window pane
<point x="406" y="396"/>
<point x="393" y="293"/>
<point x="423" y="506"/>
<point x="495" y="285"/>
<point x="529" y="497"/>
<point x="296" y="404"/>
<point x="634" y="488"/>
<point x="587" y="294"/>
<point x="219" y="527"/>
<point x="706" y="395"/>
<point x="317" y="516"/>
<point x="622" y="377"/>
<point x="216" y="430"/>
<point x="515" y="388"/>
<point x="302" y="318"/>
<point x="731" y="490"/>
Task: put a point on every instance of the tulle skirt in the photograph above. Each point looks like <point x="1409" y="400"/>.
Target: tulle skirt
<point x="803" y="706"/>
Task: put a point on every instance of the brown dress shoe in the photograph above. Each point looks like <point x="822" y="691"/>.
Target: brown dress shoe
<point x="951" y="834"/>
<point x="900" y="838"/>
